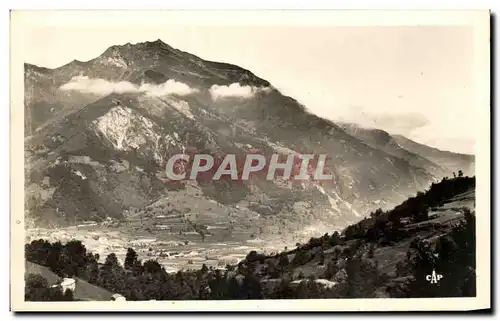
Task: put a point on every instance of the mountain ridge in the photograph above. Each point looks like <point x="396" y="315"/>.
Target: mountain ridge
<point x="381" y="139"/>
<point x="61" y="125"/>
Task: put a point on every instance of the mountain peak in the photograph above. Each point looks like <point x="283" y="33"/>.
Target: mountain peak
<point x="138" y="49"/>
<point x="156" y="44"/>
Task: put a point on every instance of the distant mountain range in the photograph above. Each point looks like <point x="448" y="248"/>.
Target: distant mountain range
<point x="437" y="162"/>
<point x="98" y="134"/>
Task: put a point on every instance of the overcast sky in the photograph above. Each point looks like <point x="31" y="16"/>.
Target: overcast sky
<point x="415" y="81"/>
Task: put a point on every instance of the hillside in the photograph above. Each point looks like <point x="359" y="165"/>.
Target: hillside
<point x="388" y="254"/>
<point x="452" y="161"/>
<point x="382" y="248"/>
<point x="99" y="134"/>
<point x="382" y="140"/>
<point x="84" y="291"/>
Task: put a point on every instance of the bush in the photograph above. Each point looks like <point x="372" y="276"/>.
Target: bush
<point x="253" y="256"/>
<point x="38" y="289"/>
<point x="301" y="257"/>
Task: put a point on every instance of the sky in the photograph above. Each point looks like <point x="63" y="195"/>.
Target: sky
<point x="418" y="81"/>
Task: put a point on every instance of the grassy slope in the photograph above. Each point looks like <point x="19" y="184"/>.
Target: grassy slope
<point x="84" y="291"/>
<point x="441" y="220"/>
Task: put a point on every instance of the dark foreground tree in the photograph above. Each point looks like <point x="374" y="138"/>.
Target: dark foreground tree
<point x="130" y="259"/>
<point x="37" y="289"/>
<point x="453" y="258"/>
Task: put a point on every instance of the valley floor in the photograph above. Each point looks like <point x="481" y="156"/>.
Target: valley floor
<point x="220" y="246"/>
<point x="174" y="250"/>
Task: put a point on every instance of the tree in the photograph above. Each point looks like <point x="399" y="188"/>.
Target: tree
<point x="152" y="267"/>
<point x="377" y="213"/>
<point x="460" y="173"/>
<point x="112" y="275"/>
<point x="130" y="259"/>
<point x="283" y="261"/>
<point x="335" y="239"/>
<point x="92" y="269"/>
<point x="73" y="258"/>
<point x="251" y="288"/>
<point x="453" y="257"/>
<point x="421" y="216"/>
<point x="52" y="260"/>
<point x="423" y="264"/>
<point x="354" y="280"/>
<point x="68" y="295"/>
<point x="233" y="291"/>
<point x="272" y="270"/>
<point x="371" y="251"/>
<point x="284" y="291"/>
<point x="321" y="257"/>
<point x="363" y="278"/>
<point x="37" y="289"/>
<point x="331" y="269"/>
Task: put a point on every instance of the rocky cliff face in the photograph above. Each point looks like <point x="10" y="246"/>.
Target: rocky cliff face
<point x="99" y="132"/>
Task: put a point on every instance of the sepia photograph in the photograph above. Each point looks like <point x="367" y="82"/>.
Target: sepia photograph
<point x="250" y="160"/>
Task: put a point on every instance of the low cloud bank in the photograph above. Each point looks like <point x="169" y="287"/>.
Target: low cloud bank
<point x="235" y="90"/>
<point x="167" y="88"/>
<point x="394" y="122"/>
<point x="104" y="87"/>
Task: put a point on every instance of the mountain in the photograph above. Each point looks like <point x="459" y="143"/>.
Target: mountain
<point x="382" y="140"/>
<point x="98" y="134"/>
<point x="452" y="161"/>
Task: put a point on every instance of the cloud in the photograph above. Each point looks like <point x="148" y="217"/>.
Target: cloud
<point x="235" y="90"/>
<point x="104" y="87"/>
<point x="444" y="141"/>
<point x="167" y="88"/>
<point x="413" y="125"/>
<point x="403" y="123"/>
<point x="98" y="86"/>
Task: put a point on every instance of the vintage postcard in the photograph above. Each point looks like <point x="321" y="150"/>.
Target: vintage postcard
<point x="250" y="160"/>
